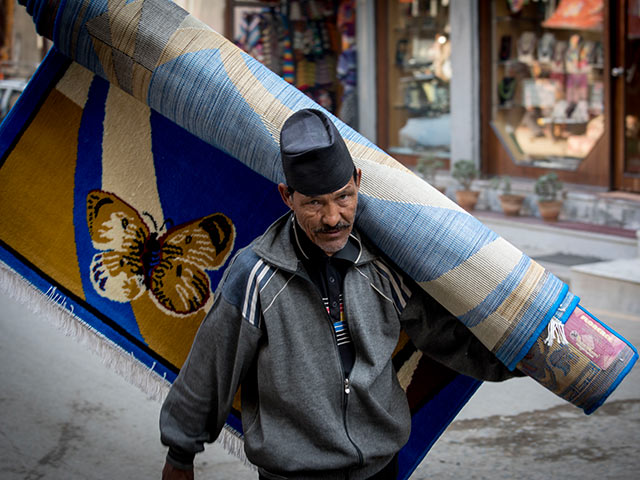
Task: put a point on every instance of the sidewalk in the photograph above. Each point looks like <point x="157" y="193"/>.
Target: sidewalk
<point x="65" y="416"/>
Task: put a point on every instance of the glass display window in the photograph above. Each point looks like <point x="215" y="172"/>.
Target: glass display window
<point x="418" y="74"/>
<point x="548" y="80"/>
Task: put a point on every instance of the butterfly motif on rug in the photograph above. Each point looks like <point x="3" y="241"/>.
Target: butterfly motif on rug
<point x="169" y="265"/>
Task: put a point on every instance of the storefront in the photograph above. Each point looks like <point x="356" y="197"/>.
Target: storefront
<point x="557" y="83"/>
<point x="561" y="90"/>
<point x="522" y="87"/>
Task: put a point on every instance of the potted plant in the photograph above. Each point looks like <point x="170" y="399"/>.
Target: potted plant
<point x="547" y="188"/>
<point x="465" y="172"/>
<point x="511" y="203"/>
<point x="427" y="166"/>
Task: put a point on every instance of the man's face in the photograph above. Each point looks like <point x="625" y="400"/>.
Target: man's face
<point x="326" y="219"/>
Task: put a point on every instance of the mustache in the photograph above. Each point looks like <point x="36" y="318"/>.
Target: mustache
<point x="332" y="229"/>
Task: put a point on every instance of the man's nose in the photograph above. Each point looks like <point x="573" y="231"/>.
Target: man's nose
<point x="331" y="214"/>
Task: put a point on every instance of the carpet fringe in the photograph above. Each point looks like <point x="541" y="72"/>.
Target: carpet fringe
<point x="233" y="443"/>
<point x="48" y="305"/>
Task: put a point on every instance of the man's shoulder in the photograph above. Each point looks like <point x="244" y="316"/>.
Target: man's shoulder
<point x="247" y="257"/>
<point x="401" y="286"/>
<point x="246" y="272"/>
<point x="244" y="260"/>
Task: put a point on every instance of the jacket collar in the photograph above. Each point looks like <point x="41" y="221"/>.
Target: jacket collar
<point x="275" y="246"/>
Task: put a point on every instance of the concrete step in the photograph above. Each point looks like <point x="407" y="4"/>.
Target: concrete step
<point x="560" y="264"/>
<point x="601" y="265"/>
<point x="611" y="286"/>
<point x="536" y="238"/>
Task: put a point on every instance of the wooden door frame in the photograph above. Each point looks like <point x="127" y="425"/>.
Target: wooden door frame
<point x="621" y="179"/>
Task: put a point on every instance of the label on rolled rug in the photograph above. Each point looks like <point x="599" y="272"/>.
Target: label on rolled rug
<point x="592" y="338"/>
<point x="584" y="364"/>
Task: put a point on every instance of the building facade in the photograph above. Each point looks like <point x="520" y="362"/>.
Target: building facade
<point x="520" y="88"/>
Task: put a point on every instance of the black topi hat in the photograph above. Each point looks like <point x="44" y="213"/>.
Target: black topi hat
<point x="315" y="158"/>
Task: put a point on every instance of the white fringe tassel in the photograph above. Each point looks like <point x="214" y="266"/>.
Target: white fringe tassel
<point x="555" y="331"/>
<point x="51" y="307"/>
<point x="233" y="443"/>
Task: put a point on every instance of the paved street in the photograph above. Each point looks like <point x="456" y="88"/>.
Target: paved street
<point x="66" y="416"/>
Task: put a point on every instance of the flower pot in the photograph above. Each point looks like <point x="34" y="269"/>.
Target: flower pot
<point x="467" y="199"/>
<point x="550" y="210"/>
<point x="511" y="204"/>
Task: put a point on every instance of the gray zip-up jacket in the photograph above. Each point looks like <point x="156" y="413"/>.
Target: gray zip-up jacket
<point x="269" y="332"/>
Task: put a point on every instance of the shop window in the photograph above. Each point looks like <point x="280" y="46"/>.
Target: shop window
<point x="548" y="90"/>
<point x="419" y="73"/>
<point x="309" y="43"/>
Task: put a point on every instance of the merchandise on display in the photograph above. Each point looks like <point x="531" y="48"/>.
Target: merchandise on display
<point x="526" y="47"/>
<point x="549" y="92"/>
<point x="420" y="75"/>
<point x="506" y="89"/>
<point x="505" y="48"/>
<point x="546" y="46"/>
<point x="310" y="43"/>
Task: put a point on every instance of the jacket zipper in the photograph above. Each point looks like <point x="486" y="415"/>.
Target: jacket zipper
<point x="346" y="388"/>
<point x="346" y="382"/>
<point x="347" y="391"/>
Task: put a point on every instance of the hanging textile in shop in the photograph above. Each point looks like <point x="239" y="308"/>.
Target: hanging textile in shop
<point x="145" y="130"/>
<point x="310" y="44"/>
<point x="584" y="14"/>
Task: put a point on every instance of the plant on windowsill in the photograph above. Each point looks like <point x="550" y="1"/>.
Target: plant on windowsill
<point x="547" y="188"/>
<point x="427" y="166"/>
<point x="465" y="172"/>
<point x="511" y="203"/>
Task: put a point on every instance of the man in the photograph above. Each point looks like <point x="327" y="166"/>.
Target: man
<point x="306" y="320"/>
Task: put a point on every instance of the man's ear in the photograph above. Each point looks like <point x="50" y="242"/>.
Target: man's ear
<point x="284" y="194"/>
<point x="358" y="177"/>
